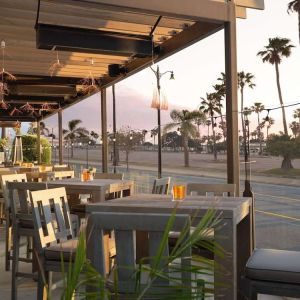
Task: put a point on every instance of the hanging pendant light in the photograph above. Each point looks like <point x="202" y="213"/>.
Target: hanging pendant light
<point x="55" y="66"/>
<point x="90" y="84"/>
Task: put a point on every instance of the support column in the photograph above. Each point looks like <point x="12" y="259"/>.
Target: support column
<point x="233" y="156"/>
<point x="3" y="133"/>
<point x="60" y="138"/>
<point x="104" y="131"/>
<point x="114" y="130"/>
<point x="38" y="142"/>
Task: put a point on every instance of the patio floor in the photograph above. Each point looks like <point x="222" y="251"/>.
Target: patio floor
<point x="27" y="287"/>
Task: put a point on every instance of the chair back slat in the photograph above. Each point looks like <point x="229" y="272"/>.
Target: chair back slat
<point x="10" y="178"/>
<point x="43" y="203"/>
<point x="118" y="176"/>
<point x="126" y="258"/>
<point x="125" y="226"/>
<point x="204" y="189"/>
<point x="161" y="186"/>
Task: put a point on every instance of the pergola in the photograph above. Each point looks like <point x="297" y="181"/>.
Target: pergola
<point x="113" y="39"/>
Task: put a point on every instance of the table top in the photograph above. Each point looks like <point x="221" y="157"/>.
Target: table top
<point x="96" y="183"/>
<point x="229" y="207"/>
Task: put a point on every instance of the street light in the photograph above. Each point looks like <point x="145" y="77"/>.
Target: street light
<point x="87" y="154"/>
<point x="159" y="102"/>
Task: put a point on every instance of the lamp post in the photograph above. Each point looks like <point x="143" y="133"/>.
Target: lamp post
<point x="87" y="154"/>
<point x="159" y="104"/>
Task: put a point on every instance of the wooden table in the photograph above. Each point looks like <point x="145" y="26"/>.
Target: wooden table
<point x="97" y="187"/>
<point x="233" y="233"/>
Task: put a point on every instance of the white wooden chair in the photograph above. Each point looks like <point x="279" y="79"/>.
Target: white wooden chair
<point x="8" y="223"/>
<point x="125" y="225"/>
<point x="22" y="225"/>
<point x="119" y="176"/>
<point x="4" y="171"/>
<point x="162" y="186"/>
<point x="207" y="189"/>
<point x="52" y="244"/>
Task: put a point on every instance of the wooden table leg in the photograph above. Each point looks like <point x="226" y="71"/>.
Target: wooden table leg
<point x="225" y="269"/>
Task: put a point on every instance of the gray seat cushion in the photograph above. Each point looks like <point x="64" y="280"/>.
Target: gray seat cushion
<point x="274" y="265"/>
<point x="67" y="248"/>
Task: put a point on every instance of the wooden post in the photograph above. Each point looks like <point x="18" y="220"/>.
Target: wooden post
<point x="104" y="131"/>
<point x="3" y="133"/>
<point x="114" y="130"/>
<point x="233" y="155"/>
<point x="60" y="138"/>
<point x="38" y="142"/>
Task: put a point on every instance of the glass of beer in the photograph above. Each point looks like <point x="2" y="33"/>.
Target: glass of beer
<point x="179" y="191"/>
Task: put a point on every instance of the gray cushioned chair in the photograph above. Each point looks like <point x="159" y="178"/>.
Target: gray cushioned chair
<point x="272" y="272"/>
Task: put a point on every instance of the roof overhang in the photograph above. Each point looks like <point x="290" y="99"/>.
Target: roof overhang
<point x="91" y="35"/>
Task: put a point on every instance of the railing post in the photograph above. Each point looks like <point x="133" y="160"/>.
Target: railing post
<point x="60" y="138"/>
<point x="104" y="131"/>
<point x="233" y="161"/>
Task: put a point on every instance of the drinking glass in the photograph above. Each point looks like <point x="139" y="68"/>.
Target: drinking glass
<point x="179" y="192"/>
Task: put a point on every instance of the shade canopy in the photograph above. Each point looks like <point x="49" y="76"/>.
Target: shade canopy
<point x="58" y="49"/>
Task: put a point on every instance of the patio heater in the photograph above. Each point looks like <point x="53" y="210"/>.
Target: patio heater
<point x="159" y="102"/>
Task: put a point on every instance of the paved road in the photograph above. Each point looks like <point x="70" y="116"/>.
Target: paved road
<point x="277" y="207"/>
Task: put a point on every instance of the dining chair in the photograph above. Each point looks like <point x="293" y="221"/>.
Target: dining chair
<point x="119" y="176"/>
<point x="125" y="226"/>
<point x="57" y="175"/>
<point x="55" y="247"/>
<point x="4" y="171"/>
<point x="272" y="272"/>
<point x="22" y="226"/>
<point x="208" y="189"/>
<point x="62" y="168"/>
<point x="8" y="223"/>
<point x="162" y="186"/>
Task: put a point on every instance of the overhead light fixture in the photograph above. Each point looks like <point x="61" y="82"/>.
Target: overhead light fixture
<point x="55" y="37"/>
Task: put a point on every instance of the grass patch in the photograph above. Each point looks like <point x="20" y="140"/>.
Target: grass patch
<point x="293" y="173"/>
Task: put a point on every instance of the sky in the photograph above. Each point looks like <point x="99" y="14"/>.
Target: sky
<point x="197" y="68"/>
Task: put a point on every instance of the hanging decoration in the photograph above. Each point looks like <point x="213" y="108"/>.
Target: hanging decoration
<point x="159" y="100"/>
<point x="46" y="107"/>
<point x="15" y="112"/>
<point x="90" y="84"/>
<point x="27" y="108"/>
<point x="55" y="66"/>
<point x="4" y="75"/>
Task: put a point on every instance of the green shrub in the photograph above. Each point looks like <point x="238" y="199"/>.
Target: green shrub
<point x="29" y="143"/>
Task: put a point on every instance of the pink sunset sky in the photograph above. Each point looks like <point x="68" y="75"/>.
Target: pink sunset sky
<point x="197" y="68"/>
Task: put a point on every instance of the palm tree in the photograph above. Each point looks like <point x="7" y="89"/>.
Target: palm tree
<point x="258" y="108"/>
<point x="268" y="121"/>
<point x="154" y="132"/>
<point x="294" y="6"/>
<point x="73" y="132"/>
<point x="244" y="80"/>
<point x="295" y="127"/>
<point x="274" y="52"/>
<point x="210" y="105"/>
<point x="208" y="123"/>
<point x="185" y="120"/>
<point x="297" y="114"/>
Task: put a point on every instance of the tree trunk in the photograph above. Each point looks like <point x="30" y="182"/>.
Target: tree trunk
<point x="259" y="134"/>
<point x="127" y="159"/>
<point x="286" y="163"/>
<point x="72" y="150"/>
<point x="186" y="152"/>
<point x="280" y="99"/>
<point x="214" y="140"/>
<point x="299" y="19"/>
